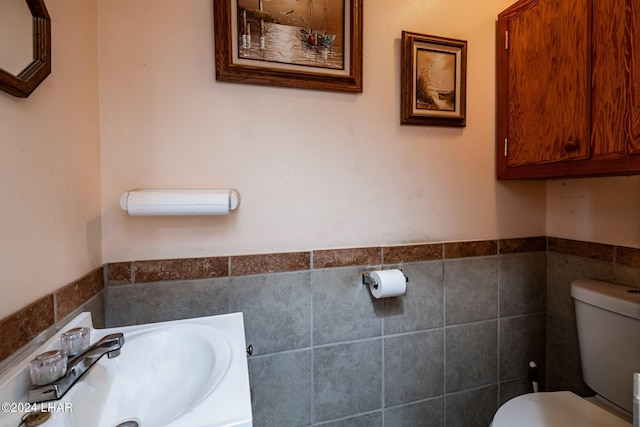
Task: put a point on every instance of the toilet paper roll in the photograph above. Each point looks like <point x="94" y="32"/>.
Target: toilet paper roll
<point x="391" y="283"/>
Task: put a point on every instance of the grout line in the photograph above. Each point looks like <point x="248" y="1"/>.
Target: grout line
<point x="474" y="388"/>
<point x="444" y="340"/>
<point x="55" y="306"/>
<point x="312" y="357"/>
<point x="280" y="353"/>
<point x="382" y="364"/>
<point x="499" y="323"/>
<point x="383" y="369"/>
<point x="346" y="418"/>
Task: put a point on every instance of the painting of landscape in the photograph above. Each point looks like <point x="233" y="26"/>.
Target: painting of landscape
<point x="299" y="32"/>
<point x="435" y="80"/>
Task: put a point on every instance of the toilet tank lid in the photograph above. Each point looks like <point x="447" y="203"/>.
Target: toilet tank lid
<point x="609" y="296"/>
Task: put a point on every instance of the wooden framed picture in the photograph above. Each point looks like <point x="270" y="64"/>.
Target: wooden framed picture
<point x="309" y="44"/>
<point x="433" y="80"/>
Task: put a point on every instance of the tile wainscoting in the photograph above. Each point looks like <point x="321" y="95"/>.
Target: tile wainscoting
<point x="328" y="354"/>
<point x="23" y="331"/>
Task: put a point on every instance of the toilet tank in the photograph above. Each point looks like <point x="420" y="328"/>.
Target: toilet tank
<point x="608" y="319"/>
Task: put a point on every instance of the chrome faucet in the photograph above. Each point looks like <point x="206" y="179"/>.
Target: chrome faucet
<point x="76" y="367"/>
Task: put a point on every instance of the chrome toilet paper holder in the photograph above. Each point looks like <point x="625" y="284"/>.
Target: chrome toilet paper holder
<point x="368" y="280"/>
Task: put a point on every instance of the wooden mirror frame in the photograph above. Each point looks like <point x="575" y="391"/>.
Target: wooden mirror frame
<point x="24" y="83"/>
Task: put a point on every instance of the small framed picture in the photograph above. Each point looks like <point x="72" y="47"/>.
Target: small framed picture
<point x="307" y="44"/>
<point x="433" y="80"/>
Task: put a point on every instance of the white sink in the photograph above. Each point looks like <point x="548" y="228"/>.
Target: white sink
<point x="185" y="373"/>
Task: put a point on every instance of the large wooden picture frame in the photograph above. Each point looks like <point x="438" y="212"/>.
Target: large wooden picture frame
<point x="290" y="43"/>
<point x="433" y="80"/>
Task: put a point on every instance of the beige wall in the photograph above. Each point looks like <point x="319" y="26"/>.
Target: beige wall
<point x="314" y="169"/>
<point x="50" y="167"/>
<point x="601" y="210"/>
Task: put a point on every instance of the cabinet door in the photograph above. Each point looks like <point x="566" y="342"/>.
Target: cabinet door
<point x="634" y="92"/>
<point x="544" y="82"/>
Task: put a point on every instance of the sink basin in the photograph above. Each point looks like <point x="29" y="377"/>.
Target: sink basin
<point x="185" y="373"/>
<point x="151" y="369"/>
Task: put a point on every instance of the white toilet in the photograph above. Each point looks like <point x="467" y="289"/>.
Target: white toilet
<point x="608" y="318"/>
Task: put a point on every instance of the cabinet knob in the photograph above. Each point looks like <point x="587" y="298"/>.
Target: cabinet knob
<point x="571" y="146"/>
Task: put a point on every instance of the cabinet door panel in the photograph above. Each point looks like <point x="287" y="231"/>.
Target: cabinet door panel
<point x="548" y="87"/>
<point x="609" y="73"/>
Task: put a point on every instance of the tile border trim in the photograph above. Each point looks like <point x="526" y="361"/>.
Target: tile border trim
<point x="148" y="271"/>
<point x="21" y="327"/>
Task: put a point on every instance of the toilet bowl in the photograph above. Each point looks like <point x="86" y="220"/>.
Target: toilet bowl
<point x="608" y="321"/>
<point x="554" y="409"/>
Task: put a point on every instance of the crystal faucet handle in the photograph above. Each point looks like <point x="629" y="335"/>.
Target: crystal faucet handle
<point x="48" y="367"/>
<point x="75" y="341"/>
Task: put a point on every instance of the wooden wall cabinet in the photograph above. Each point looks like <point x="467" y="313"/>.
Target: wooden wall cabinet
<point x="568" y="89"/>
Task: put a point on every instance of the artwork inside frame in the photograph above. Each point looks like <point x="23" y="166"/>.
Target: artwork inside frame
<point x="433" y="80"/>
<point x="309" y="44"/>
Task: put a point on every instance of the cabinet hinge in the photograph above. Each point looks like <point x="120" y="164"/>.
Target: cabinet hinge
<point x="506" y="40"/>
<point x="506" y="146"/>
